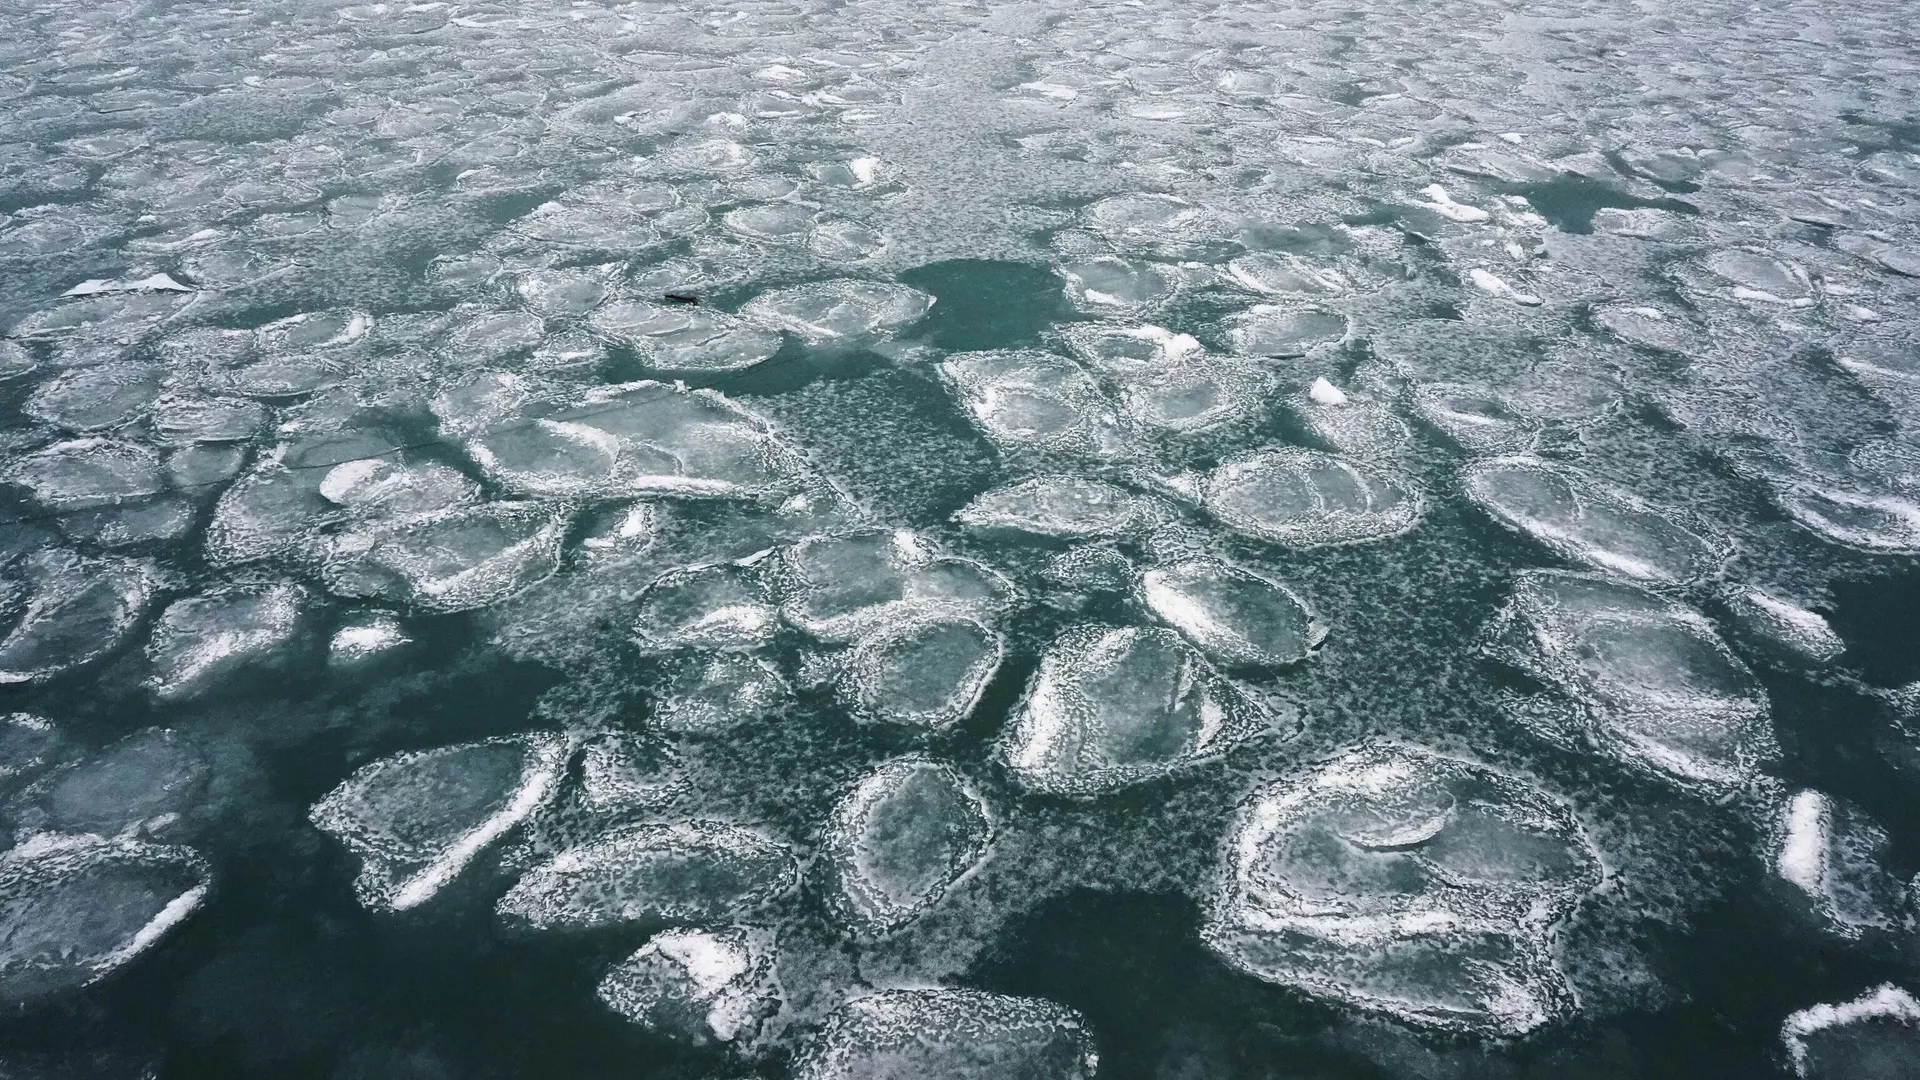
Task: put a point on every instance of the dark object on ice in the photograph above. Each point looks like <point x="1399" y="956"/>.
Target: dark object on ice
<point x="681" y="298"/>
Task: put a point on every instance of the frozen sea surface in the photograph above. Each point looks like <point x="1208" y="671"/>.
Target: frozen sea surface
<point x="959" y="540"/>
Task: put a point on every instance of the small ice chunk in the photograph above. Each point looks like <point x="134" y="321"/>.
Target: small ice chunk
<point x="899" y="840"/>
<point x="707" y="607"/>
<point x="1304" y="498"/>
<point x="950" y="1034"/>
<point x="1874" y="1036"/>
<point x="453" y="561"/>
<point x="1656" y="686"/>
<point x="1488" y="283"/>
<point x="926" y="673"/>
<point x="1236" y="617"/>
<point x="705" y="694"/>
<point x="1608" y="530"/>
<point x="698" y="986"/>
<point x="159" y="282"/>
<point x="1323" y="392"/>
<point x="76" y="909"/>
<point x="842" y="310"/>
<point x="1406" y="883"/>
<point x="77" y="610"/>
<point x="1834" y="854"/>
<point x="364" y="637"/>
<point x="417" y="819"/>
<point x="1442" y="203"/>
<point x="1113" y="706"/>
<point x="1787" y="624"/>
<point x="1067" y="507"/>
<point x="695" y="872"/>
<point x="202" y="638"/>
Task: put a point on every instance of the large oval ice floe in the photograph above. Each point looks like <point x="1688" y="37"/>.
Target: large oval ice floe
<point x="198" y="640"/>
<point x="1067" y="507"/>
<point x="843" y="310"/>
<point x="1655" y="685"/>
<point x="695" y="872"/>
<point x="1875" y="1035"/>
<point x="839" y="588"/>
<point x="1112" y="706"/>
<point x="453" y="561"/>
<point x="707" y="607"/>
<point x="77" y="609"/>
<point x="75" y="909"/>
<point x="1580" y="520"/>
<point x="417" y="819"/>
<point x="950" y="1034"/>
<point x="83" y="474"/>
<point x="1025" y="399"/>
<point x="1304" y="498"/>
<point x="703" y="987"/>
<point x="1235" y="616"/>
<point x="1284" y="331"/>
<point x="922" y="672"/>
<point x="1407" y="883"/>
<point x="899" y="840"/>
<point x="643" y="438"/>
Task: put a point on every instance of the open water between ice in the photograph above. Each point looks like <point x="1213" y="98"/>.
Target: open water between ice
<point x="851" y="539"/>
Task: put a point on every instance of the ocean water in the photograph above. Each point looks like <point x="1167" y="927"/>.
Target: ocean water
<point x="852" y="540"/>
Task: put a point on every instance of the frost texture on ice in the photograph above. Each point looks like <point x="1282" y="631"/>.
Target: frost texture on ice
<point x="418" y="819"/>
<point x="1834" y="854"/>
<point x="77" y="609"/>
<point x="695" y="872"/>
<point x="1876" y="1036"/>
<point x="926" y="673"/>
<point x="1653" y="682"/>
<point x="699" y="986"/>
<point x="75" y="909"/>
<point x="1578" y="519"/>
<point x="1113" y="706"/>
<point x="962" y="1034"/>
<point x="840" y="588"/>
<point x="1304" y="498"/>
<point x="198" y="639"/>
<point x="899" y="840"/>
<point x="1233" y="615"/>
<point x="1400" y="881"/>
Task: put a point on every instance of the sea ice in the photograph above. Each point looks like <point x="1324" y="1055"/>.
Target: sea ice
<point x="1233" y="615"/>
<point x="1578" y="519"/>
<point x="699" y="986"/>
<point x="899" y="840"/>
<point x="896" y="1034"/>
<point x="1304" y="498"/>
<point x="694" y="872"/>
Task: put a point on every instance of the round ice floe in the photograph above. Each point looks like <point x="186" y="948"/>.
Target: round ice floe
<point x="1652" y="328"/>
<point x="1875" y="1035"/>
<point x="690" y="339"/>
<point x="1113" y="706"/>
<point x="922" y="672"/>
<point x="704" y="694"/>
<point x="640" y="439"/>
<point x="416" y="820"/>
<point x="1123" y="353"/>
<point x="1787" y="625"/>
<point x="1834" y="854"/>
<point x="824" y="312"/>
<point x="82" y="474"/>
<point x="90" y="399"/>
<point x="899" y="840"/>
<point x="950" y="1033"/>
<point x="77" y="609"/>
<point x="146" y="782"/>
<point x="1156" y="224"/>
<point x="1109" y="283"/>
<point x="197" y="640"/>
<point x="1403" y="882"/>
<point x="1478" y="421"/>
<point x="1233" y="615"/>
<point x="1656" y="685"/>
<point x="1279" y="331"/>
<point x="1579" y="519"/>
<point x="453" y="561"/>
<point x="707" y="607"/>
<point x="698" y="986"/>
<point x="382" y="486"/>
<point x="1363" y="429"/>
<point x="1277" y="274"/>
<point x="695" y="872"/>
<point x="272" y="511"/>
<point x="839" y="588"/>
<point x="1038" y="400"/>
<point x="1760" y="278"/>
<point x="1881" y="522"/>
<point x="562" y="292"/>
<point x="75" y="909"/>
<point x="1304" y="498"/>
<point x="182" y="421"/>
<point x="1068" y="507"/>
<point x="1196" y="393"/>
